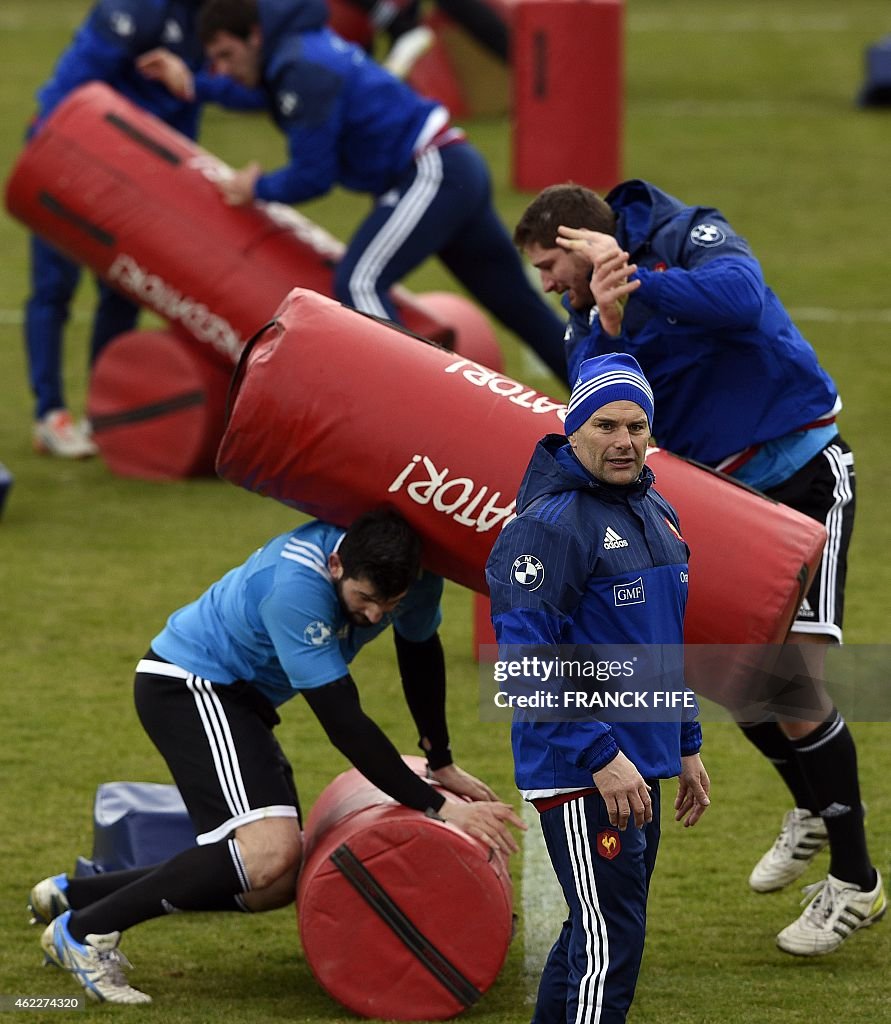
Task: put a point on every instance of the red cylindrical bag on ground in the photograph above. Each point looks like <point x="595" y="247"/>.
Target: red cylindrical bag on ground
<point x="423" y="908"/>
<point x="157" y="406"/>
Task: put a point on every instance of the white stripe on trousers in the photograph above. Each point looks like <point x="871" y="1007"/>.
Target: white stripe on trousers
<point x="834" y="525"/>
<point x="590" y="994"/>
<point x="221" y="744"/>
<point x="401" y="223"/>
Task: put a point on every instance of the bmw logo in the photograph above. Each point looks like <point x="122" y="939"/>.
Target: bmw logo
<point x="707" y="235"/>
<point x="527" y="571"/>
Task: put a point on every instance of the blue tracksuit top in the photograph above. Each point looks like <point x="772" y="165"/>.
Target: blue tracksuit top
<point x="728" y="367"/>
<point x="347" y="121"/>
<point x="593" y="542"/>
<point x="114" y="34"/>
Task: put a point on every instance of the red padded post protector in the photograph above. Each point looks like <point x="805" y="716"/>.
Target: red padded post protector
<point x="401" y="917"/>
<point x="351" y="21"/>
<point x="568" y="64"/>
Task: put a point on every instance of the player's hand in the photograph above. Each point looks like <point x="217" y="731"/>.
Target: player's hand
<point x="171" y="71"/>
<point x="593" y="246"/>
<point x="625" y="793"/>
<point x="238" y="188"/>
<point x="456" y="780"/>
<point x="611" y="284"/>
<point x="611" y="272"/>
<point x="693" y="791"/>
<point x="486" y="821"/>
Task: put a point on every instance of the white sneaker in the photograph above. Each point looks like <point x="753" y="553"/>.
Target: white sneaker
<point x="97" y="964"/>
<point x="836" y="910"/>
<point x="801" y="838"/>
<point x="57" y="434"/>
<point x="48" y="899"/>
<point x="408" y="49"/>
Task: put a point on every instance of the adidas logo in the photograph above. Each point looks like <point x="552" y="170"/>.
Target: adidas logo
<point x="612" y="540"/>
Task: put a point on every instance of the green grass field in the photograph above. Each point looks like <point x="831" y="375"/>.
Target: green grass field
<point x="746" y="106"/>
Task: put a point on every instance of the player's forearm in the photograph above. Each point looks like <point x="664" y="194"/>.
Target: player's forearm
<point x="363" y="743"/>
<point x="422" y="668"/>
<point x="226" y="92"/>
<point x="726" y="293"/>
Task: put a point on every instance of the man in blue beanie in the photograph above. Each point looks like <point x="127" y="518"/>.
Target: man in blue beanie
<point x="595" y="556"/>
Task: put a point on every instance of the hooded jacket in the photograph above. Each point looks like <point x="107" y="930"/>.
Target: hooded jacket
<point x="609" y="567"/>
<point x="728" y="367"/>
<point x="106" y="46"/>
<point x="347" y="121"/>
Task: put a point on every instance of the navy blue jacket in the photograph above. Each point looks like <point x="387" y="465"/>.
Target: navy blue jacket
<point x="728" y="367"/>
<point x="106" y="46"/>
<point x="347" y="121"/>
<point x="609" y="568"/>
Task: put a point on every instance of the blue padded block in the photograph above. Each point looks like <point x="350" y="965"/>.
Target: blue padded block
<point x="137" y="824"/>
<point x="84" y="866"/>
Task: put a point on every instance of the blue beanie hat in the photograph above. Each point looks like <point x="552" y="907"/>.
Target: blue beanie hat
<point x="611" y="378"/>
